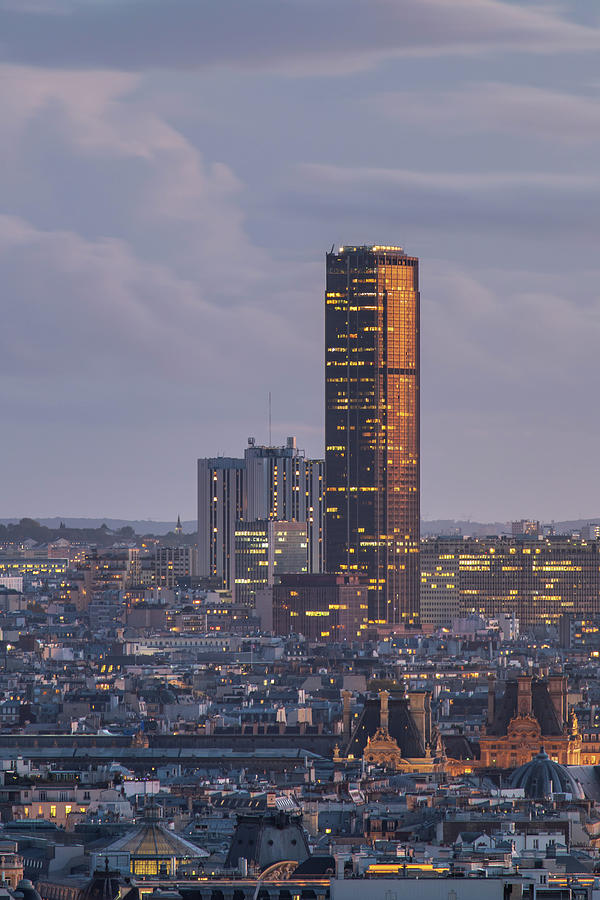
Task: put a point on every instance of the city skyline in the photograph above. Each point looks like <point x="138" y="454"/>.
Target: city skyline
<point x="169" y="188"/>
<point x="306" y="291"/>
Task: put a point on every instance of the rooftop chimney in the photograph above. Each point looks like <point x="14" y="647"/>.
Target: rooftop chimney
<point x="346" y="695"/>
<point x="384" y="710"/>
<point x="557" y="688"/>
<point x="491" y="714"/>
<point x="524" y="705"/>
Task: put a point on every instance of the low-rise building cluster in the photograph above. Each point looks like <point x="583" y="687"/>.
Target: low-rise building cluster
<point x="158" y="738"/>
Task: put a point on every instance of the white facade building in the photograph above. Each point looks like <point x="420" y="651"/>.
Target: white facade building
<point x="270" y="483"/>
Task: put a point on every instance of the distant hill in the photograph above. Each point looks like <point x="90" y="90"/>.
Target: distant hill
<point x="150" y="526"/>
<point x="140" y="526"/>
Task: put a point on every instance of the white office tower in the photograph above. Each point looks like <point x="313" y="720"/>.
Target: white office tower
<point x="220" y="506"/>
<point x="281" y="484"/>
<point x="270" y="483"/>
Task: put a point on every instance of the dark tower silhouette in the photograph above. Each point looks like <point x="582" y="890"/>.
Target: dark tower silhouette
<point x="372" y="451"/>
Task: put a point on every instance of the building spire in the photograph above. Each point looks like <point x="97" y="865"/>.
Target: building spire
<point x="178" y="527"/>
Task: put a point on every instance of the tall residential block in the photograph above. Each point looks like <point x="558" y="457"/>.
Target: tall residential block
<point x="372" y="450"/>
<point x="525" y="526"/>
<point x="269" y="483"/>
<point x="220" y="506"/>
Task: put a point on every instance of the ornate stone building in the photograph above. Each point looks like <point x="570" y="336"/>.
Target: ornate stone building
<point x="395" y="732"/>
<point x="524" y="715"/>
<point x="529" y="713"/>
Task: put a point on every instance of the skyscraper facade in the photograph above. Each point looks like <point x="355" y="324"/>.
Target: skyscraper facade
<point x="269" y="483"/>
<point x="372" y="425"/>
<point x="282" y="484"/>
<point x="265" y="550"/>
<point x="320" y="606"/>
<point x="539" y="580"/>
<point x="220" y="506"/>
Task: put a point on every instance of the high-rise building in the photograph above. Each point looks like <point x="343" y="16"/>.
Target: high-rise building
<point x="372" y="425"/>
<point x="269" y="483"/>
<point x="281" y="484"/>
<point x="264" y="550"/>
<point x="220" y="506"/>
<point x="525" y="526"/>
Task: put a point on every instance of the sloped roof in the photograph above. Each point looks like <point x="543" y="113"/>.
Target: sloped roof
<point x="469" y="837"/>
<point x="542" y="708"/>
<point x="589" y="779"/>
<point x="457" y="746"/>
<point x="401" y="727"/>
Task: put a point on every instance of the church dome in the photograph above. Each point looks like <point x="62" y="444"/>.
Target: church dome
<point x="541" y="777"/>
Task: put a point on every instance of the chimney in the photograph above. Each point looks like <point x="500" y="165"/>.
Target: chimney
<point x="524" y="706"/>
<point x="491" y="713"/>
<point x="420" y="710"/>
<point x="346" y="696"/>
<point x="557" y="688"/>
<point x="384" y="710"/>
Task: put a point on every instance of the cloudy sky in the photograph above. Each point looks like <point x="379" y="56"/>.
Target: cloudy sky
<point x="171" y="174"/>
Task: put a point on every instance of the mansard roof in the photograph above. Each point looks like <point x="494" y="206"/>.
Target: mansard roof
<point x="542" y="708"/>
<point x="401" y="727"/>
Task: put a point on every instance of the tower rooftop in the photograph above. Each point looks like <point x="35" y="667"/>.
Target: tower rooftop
<point x="374" y="248"/>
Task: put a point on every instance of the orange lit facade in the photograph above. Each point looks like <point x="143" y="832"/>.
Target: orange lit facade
<point x="11" y="864"/>
<point x="529" y="714"/>
<point x="372" y="425"/>
<point x="523" y="716"/>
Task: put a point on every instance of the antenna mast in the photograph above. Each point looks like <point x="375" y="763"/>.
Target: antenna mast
<point x="270" y="440"/>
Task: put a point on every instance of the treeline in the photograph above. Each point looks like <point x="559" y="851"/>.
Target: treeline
<point x="30" y="529"/>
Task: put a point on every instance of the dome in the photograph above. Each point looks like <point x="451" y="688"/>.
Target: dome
<point x="542" y="777"/>
<point x="154" y="850"/>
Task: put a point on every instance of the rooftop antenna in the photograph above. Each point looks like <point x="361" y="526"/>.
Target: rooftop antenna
<point x="270" y="441"/>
